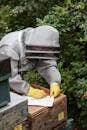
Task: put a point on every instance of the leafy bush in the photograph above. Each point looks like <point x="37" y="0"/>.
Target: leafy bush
<point x="19" y="14"/>
<point x="34" y="77"/>
<point x="71" y="21"/>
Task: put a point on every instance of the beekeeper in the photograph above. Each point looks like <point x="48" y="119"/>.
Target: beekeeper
<point x="33" y="47"/>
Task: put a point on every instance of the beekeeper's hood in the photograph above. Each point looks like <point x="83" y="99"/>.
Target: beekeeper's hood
<point x="43" y="42"/>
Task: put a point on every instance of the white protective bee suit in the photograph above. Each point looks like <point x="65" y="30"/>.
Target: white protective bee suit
<point x="15" y="45"/>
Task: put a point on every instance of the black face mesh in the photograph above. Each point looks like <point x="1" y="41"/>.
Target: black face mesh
<point x="39" y="52"/>
<point x="42" y="48"/>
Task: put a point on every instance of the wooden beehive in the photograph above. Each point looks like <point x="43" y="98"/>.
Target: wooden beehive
<point x="45" y="118"/>
<point x="5" y="72"/>
<point x="14" y="113"/>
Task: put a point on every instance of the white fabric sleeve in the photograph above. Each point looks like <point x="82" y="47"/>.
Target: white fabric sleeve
<point x="16" y="82"/>
<point x="19" y="85"/>
<point x="49" y="71"/>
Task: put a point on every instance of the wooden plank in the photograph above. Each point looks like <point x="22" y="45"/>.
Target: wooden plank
<point x="14" y="113"/>
<point x="45" y="118"/>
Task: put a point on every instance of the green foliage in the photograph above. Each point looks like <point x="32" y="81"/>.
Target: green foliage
<point x="34" y="77"/>
<point x="4" y="20"/>
<point x="71" y="21"/>
<point x="19" y="14"/>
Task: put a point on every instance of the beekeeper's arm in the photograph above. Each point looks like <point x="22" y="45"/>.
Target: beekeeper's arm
<point x="16" y="82"/>
<point x="22" y="86"/>
<point x="49" y="71"/>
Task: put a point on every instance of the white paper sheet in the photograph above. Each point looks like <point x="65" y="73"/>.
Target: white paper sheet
<point x="46" y="101"/>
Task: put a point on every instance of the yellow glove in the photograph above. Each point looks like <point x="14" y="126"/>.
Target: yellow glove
<point x="18" y="127"/>
<point x="36" y="93"/>
<point x="55" y="89"/>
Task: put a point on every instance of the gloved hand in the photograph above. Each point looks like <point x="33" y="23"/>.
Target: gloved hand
<point x="36" y="93"/>
<point x="18" y="127"/>
<point x="55" y="89"/>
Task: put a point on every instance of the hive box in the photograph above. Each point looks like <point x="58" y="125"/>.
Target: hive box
<point x="4" y="90"/>
<point x="5" y="72"/>
<point x="45" y="118"/>
<point x="14" y="113"/>
<point x="5" y="67"/>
